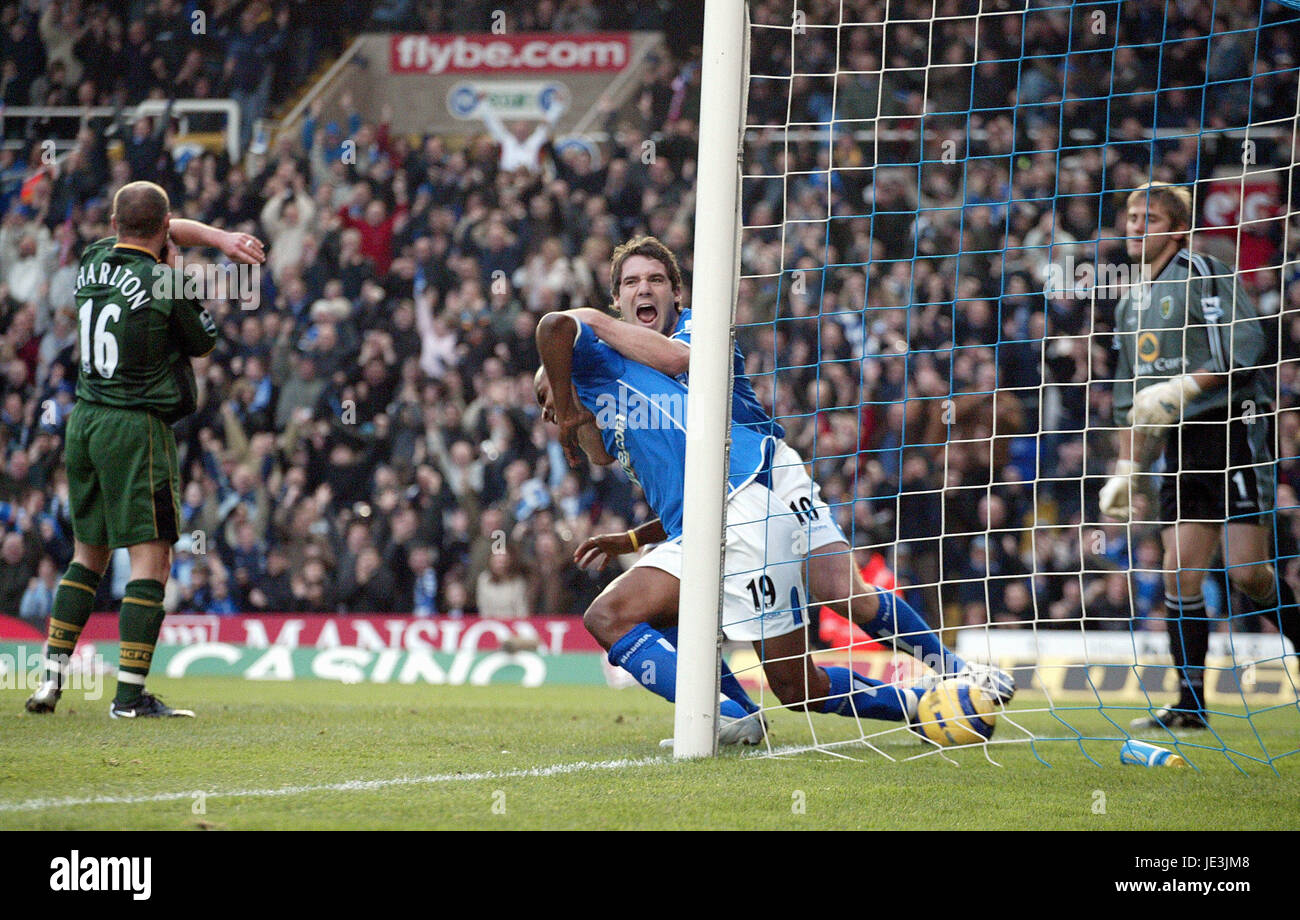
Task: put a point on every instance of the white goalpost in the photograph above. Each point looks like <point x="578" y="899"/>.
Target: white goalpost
<point x="709" y="400"/>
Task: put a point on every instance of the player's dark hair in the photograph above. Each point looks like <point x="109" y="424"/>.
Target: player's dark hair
<point x="140" y="209"/>
<point x="651" y="248"/>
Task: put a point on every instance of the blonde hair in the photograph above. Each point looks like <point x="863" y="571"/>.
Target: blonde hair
<point x="140" y="209"/>
<point x="1174" y="200"/>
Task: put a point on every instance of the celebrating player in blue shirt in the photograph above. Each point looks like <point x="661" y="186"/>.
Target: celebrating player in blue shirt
<point x="647" y="287"/>
<point x="614" y="408"/>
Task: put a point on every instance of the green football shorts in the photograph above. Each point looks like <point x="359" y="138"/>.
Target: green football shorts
<point x="123" y="476"/>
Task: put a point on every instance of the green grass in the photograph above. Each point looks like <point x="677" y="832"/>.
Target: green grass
<point x="260" y="736"/>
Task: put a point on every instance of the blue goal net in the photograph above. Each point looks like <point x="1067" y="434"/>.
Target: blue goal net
<point x="974" y="234"/>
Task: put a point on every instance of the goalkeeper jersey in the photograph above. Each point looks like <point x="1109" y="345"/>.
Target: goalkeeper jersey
<point x="1194" y="317"/>
<point x="135" y="347"/>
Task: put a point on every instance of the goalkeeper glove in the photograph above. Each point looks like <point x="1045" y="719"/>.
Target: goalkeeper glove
<point x="1163" y="403"/>
<point x="1117" y="494"/>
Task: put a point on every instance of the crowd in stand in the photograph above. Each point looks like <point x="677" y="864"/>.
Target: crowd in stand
<point x="75" y="52"/>
<point x="367" y="439"/>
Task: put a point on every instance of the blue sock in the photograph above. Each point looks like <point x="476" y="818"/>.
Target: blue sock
<point x="734" y="692"/>
<point x="920" y="641"/>
<point x="852" y="694"/>
<point x="728" y="683"/>
<point x="732" y="710"/>
<point x="645" y="654"/>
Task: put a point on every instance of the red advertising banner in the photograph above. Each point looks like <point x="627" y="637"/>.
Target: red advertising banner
<point x="545" y="635"/>
<point x="527" y="53"/>
<point x="838" y="632"/>
<point x="13" y="629"/>
<point x="1247" y="206"/>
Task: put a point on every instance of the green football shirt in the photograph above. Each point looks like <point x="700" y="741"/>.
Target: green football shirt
<point x="1195" y="317"/>
<point x="135" y="347"/>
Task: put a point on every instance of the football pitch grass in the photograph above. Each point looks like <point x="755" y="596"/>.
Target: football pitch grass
<point x="318" y="755"/>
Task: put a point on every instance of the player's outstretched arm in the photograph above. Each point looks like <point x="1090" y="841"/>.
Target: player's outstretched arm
<point x="596" y="551"/>
<point x="240" y="247"/>
<point x="492" y="121"/>
<point x="637" y="343"/>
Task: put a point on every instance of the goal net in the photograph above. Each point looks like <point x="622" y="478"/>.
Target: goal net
<point x="933" y="248"/>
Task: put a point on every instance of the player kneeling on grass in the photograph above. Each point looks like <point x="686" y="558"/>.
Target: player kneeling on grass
<point x="123" y="478"/>
<point x="648" y="325"/>
<point x="613" y="408"/>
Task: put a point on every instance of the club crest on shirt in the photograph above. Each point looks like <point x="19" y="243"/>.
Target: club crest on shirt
<point x="1148" y="347"/>
<point x="1166" y="307"/>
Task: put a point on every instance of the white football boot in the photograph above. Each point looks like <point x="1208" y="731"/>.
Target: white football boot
<point x="994" y="681"/>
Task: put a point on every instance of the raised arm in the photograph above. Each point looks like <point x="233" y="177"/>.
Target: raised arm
<point x="240" y="247"/>
<point x="637" y="343"/>
<point x="271" y="216"/>
<point x="493" y="123"/>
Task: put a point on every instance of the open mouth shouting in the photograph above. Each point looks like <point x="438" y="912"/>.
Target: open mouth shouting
<point x="646" y="294"/>
<point x="647" y="314"/>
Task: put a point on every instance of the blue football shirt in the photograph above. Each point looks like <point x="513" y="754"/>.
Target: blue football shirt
<point x="746" y="410"/>
<point x="641" y="414"/>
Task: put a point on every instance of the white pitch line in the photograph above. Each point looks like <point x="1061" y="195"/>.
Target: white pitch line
<point x="355" y="785"/>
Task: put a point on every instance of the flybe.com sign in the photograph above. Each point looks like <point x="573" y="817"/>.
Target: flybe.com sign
<point x="509" y="54"/>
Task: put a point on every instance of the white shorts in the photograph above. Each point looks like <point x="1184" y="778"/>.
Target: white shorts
<point x="798" y="492"/>
<point x="762" y="586"/>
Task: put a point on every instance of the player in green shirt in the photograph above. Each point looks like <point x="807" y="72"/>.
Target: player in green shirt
<point x="123" y="477"/>
<point x="1190" y="382"/>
